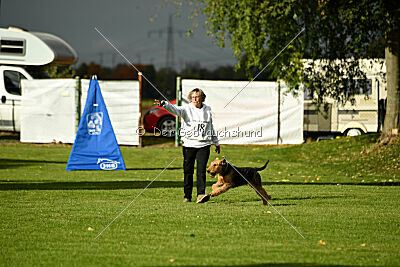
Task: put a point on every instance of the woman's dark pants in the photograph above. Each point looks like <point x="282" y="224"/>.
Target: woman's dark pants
<point x="190" y="155"/>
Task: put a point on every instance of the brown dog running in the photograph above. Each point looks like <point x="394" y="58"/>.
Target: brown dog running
<point x="228" y="177"/>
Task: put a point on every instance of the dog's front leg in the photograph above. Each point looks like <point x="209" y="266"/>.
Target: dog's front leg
<point x="219" y="190"/>
<point x="216" y="185"/>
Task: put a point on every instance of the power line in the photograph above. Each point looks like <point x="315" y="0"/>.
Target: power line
<point x="170" y="51"/>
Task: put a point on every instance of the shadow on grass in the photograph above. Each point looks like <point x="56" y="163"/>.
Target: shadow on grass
<point x="335" y="183"/>
<point x="88" y="185"/>
<point x="282" y="264"/>
<point x="17" y="163"/>
<point x="259" y="200"/>
<point x="307" y="198"/>
<point x="151" y="169"/>
<point x="116" y="185"/>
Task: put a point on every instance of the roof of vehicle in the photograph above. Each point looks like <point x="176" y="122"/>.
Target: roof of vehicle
<point x="20" y="47"/>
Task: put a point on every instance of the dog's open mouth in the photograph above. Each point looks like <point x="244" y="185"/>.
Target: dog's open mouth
<point x="212" y="174"/>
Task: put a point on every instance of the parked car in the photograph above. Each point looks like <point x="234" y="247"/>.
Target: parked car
<point x="160" y="121"/>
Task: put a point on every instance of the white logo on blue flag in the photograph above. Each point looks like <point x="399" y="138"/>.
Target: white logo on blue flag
<point x="94" y="123"/>
<point x="107" y="164"/>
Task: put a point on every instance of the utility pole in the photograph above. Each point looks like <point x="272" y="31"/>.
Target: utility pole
<point x="170" y="62"/>
<point x="0" y="11"/>
<point x="113" y="60"/>
<point x="170" y="51"/>
<point x="101" y="58"/>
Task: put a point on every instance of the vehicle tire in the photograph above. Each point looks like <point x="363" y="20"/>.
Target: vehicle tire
<point x="166" y="126"/>
<point x="354" y="132"/>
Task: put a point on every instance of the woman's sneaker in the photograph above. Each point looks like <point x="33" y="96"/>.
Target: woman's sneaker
<point x="203" y="198"/>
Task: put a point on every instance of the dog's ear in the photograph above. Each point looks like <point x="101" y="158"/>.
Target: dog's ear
<point x="223" y="159"/>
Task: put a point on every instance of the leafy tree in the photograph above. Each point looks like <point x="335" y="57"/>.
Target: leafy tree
<point x="59" y="71"/>
<point x="337" y="33"/>
<point x="193" y="70"/>
<point x="124" y="72"/>
<point x="51" y="71"/>
<point x="166" y="82"/>
<point x="86" y="71"/>
<point x="82" y="71"/>
<point x="96" y="69"/>
<point x="147" y="89"/>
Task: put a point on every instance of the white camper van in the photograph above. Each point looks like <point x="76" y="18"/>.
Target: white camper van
<point x="19" y="48"/>
<point x="365" y="116"/>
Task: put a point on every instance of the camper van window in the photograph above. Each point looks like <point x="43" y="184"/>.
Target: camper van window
<point x="307" y="93"/>
<point x="37" y="72"/>
<point x="12" y="82"/>
<point x="12" y="46"/>
<point x="360" y="87"/>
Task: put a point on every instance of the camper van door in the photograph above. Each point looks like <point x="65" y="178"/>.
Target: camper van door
<point x="10" y="97"/>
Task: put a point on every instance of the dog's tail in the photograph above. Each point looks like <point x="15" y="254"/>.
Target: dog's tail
<point x="263" y="167"/>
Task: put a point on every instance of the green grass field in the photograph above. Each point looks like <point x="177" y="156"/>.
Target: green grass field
<point x="341" y="195"/>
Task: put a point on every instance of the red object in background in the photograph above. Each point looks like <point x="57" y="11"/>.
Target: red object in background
<point x="160" y="121"/>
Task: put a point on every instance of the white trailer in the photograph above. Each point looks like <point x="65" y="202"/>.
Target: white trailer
<point x="365" y="116"/>
<point x="20" y="48"/>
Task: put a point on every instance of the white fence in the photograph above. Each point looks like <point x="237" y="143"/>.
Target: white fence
<point x="263" y="113"/>
<point x="49" y="109"/>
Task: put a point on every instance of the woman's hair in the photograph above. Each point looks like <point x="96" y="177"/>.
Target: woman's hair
<point x="197" y="90"/>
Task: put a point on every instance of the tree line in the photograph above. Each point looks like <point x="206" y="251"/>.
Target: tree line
<point x="164" y="78"/>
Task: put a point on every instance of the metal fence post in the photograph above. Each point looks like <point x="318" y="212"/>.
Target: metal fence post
<point x="278" y="136"/>
<point x="178" y="103"/>
<point x="78" y="96"/>
<point x="140" y="110"/>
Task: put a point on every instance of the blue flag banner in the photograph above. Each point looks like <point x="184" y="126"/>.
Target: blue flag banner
<point x="95" y="146"/>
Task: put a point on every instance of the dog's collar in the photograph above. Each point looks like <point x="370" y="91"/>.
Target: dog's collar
<point x="225" y="171"/>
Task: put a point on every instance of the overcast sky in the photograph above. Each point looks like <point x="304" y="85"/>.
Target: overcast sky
<point x="126" y="23"/>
